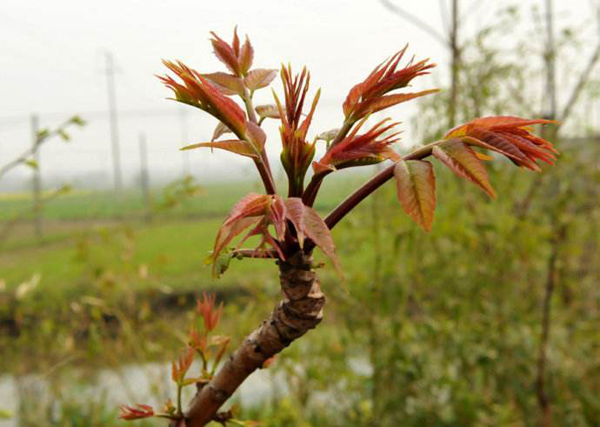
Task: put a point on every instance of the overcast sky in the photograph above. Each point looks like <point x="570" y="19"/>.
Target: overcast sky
<point x="53" y="64"/>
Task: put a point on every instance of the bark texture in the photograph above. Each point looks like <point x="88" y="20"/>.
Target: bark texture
<point x="300" y="309"/>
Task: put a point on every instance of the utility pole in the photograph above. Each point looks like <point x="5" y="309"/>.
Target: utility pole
<point x="549" y="57"/>
<point x="183" y="123"/>
<point x="114" y="129"/>
<point x="37" y="180"/>
<point x="455" y="51"/>
<point x="144" y="177"/>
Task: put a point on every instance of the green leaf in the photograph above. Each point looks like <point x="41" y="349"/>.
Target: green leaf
<point x="415" y="183"/>
<point x="43" y="134"/>
<point x="63" y="135"/>
<point x="76" y="120"/>
<point x="32" y="164"/>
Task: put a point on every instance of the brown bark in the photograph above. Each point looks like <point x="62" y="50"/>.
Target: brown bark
<point x="300" y="310"/>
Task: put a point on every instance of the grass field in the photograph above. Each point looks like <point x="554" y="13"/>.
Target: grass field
<point x="171" y="248"/>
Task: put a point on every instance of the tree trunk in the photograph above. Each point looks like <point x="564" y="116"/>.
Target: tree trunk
<point x="300" y="310"/>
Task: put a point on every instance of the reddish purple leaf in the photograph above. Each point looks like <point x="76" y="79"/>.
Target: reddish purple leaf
<point x="259" y="78"/>
<point x="463" y="161"/>
<point x="243" y="148"/>
<point x="227" y="84"/>
<point x="415" y="183"/>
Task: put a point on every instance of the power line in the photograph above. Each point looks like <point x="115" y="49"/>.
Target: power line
<point x="20" y="120"/>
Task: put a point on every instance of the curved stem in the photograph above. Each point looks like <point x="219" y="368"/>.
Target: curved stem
<point x="366" y="190"/>
<point x="265" y="174"/>
<point x="247" y="98"/>
<point x="370" y="186"/>
<point x="358" y="196"/>
<point x="313" y="187"/>
<point x="252" y="253"/>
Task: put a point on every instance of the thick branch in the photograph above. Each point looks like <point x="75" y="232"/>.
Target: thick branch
<point x="300" y="310"/>
<point x="370" y="186"/>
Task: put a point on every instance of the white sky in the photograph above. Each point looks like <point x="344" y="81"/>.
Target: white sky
<point x="52" y="63"/>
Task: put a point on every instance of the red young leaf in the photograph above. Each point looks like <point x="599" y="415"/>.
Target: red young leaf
<point x="135" y="413"/>
<point x="495" y="122"/>
<point x="308" y="223"/>
<point x="236" y="146"/>
<point x="358" y="150"/>
<point x="229" y="232"/>
<point x="415" y="183"/>
<point x="226" y="83"/>
<point x="246" y="56"/>
<point x="220" y="129"/>
<point x="297" y="153"/>
<point x="510" y="136"/>
<point x="197" y="91"/>
<point x="383" y="79"/>
<point x="237" y="59"/>
<point x="461" y="159"/>
<point x="226" y="53"/>
<point x="246" y="213"/>
<point x="316" y="230"/>
<point x="268" y="111"/>
<point x="295" y="213"/>
<point x="277" y="216"/>
<point x="206" y="308"/>
<point x="259" y="78"/>
<point x="383" y="102"/>
<point x="258" y="211"/>
<point x="251" y="205"/>
<point x="500" y="146"/>
<point x="256" y="136"/>
<point x="180" y="367"/>
<point x="225" y="109"/>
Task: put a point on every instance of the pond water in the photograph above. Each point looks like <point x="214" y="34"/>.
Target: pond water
<point x="129" y="384"/>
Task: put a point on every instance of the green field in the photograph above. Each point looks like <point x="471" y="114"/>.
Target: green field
<point x="441" y="328"/>
<point x="172" y="247"/>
